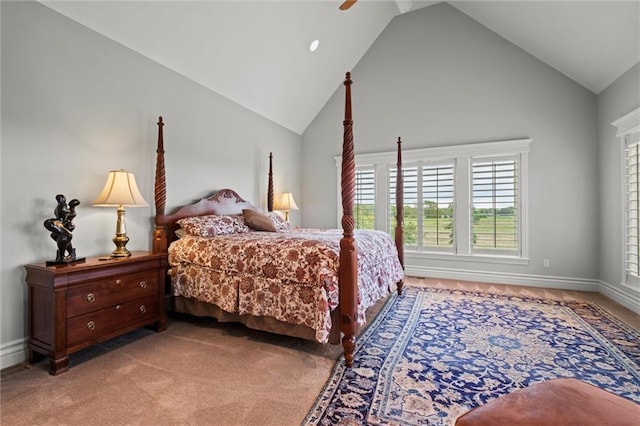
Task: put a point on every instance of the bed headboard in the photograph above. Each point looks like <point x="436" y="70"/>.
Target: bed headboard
<point x="223" y="202"/>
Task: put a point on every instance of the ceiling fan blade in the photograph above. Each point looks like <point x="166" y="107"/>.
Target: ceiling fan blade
<point x="347" y="4"/>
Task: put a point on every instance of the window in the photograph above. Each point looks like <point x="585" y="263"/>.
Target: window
<point x="437" y="201"/>
<point x="629" y="133"/>
<point x="495" y="206"/>
<point x="467" y="201"/>
<point x="428" y="206"/>
<point x="364" y="203"/>
<point x="393" y="174"/>
<point x="412" y="226"/>
<point x="631" y="209"/>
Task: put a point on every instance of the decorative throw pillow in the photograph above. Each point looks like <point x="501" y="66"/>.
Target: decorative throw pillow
<point x="212" y="225"/>
<point x="258" y="221"/>
<point x="279" y="221"/>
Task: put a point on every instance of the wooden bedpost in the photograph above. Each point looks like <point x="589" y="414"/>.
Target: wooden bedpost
<point x="348" y="278"/>
<point x="160" y="243"/>
<point x="270" y="189"/>
<point x="399" y="234"/>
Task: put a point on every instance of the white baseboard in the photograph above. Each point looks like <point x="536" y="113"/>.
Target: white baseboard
<point x="565" y="283"/>
<point x="626" y="296"/>
<point x="13" y="353"/>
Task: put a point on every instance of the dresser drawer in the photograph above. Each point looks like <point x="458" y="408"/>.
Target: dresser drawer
<point x="92" y="326"/>
<point x="112" y="291"/>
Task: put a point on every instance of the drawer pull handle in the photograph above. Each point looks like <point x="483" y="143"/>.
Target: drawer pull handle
<point x="91" y="325"/>
<point x="143" y="309"/>
<point x="118" y="281"/>
<point x="118" y="307"/>
<point x="91" y="298"/>
<point x="143" y="284"/>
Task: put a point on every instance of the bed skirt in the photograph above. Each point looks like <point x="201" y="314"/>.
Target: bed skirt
<point x="197" y="308"/>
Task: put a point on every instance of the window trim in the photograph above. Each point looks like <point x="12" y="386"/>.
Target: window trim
<point x="462" y="155"/>
<point x="627" y="125"/>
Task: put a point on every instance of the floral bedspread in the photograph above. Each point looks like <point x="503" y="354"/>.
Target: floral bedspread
<point x="290" y="275"/>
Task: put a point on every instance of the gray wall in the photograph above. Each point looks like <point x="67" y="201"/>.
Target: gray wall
<point x="76" y="105"/>
<point x="618" y="99"/>
<point x="436" y="77"/>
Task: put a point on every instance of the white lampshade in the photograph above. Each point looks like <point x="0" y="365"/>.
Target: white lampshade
<point x="120" y="190"/>
<point x="286" y="202"/>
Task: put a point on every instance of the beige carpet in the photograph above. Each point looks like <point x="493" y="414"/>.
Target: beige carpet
<point x="198" y="372"/>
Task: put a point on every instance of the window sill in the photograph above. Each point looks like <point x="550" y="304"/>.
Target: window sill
<point x="477" y="258"/>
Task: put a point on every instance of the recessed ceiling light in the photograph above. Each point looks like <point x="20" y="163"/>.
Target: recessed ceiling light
<point x="314" y="45"/>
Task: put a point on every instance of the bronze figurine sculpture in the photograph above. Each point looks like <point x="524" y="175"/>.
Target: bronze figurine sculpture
<point x="61" y="228"/>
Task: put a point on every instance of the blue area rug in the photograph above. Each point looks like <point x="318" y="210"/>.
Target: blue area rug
<point x="431" y="355"/>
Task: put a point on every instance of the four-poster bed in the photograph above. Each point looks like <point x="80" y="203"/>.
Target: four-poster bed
<point x="314" y="284"/>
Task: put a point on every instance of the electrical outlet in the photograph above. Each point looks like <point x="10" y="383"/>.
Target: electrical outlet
<point x="547" y="263"/>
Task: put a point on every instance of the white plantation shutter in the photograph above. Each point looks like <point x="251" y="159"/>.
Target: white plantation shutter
<point x="495" y="205"/>
<point x="437" y="201"/>
<point x="393" y="175"/>
<point x="411" y="201"/>
<point x="365" y="197"/>
<point x="428" y="205"/>
<point x="632" y="197"/>
<point x="628" y="132"/>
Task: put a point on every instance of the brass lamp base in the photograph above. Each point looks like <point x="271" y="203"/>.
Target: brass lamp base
<point x="121" y="239"/>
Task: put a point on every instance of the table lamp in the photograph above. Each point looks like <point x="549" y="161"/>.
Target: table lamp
<point x="120" y="190"/>
<point x="286" y="203"/>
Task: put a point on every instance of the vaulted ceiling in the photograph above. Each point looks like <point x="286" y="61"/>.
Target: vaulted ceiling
<point x="256" y="53"/>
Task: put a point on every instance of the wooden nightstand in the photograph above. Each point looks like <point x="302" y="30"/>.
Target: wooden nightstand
<point x="75" y="306"/>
